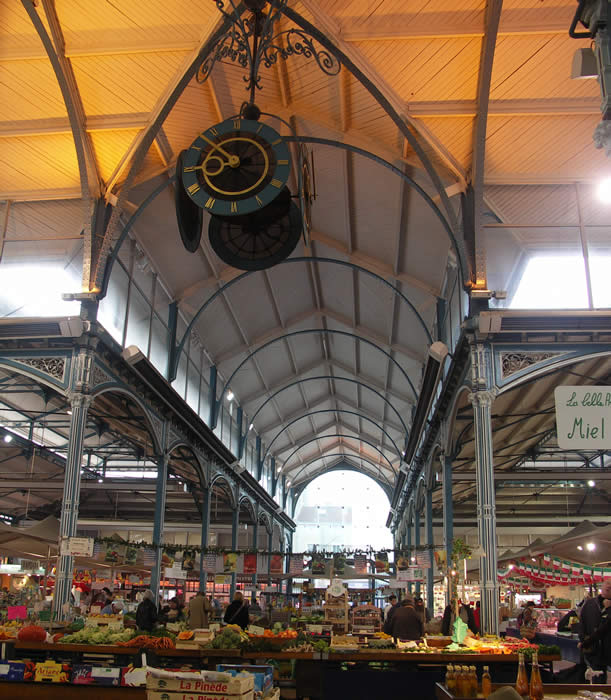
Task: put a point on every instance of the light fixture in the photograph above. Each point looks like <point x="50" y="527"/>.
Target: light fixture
<point x="603" y="190"/>
<point x="100" y="481"/>
<point x="590" y="546"/>
<point x="230" y="396"/>
<point x="510" y="566"/>
<point x="413" y="559"/>
<point x="69" y="412"/>
<point x="580" y="548"/>
<point x="8" y="438"/>
<point x="572" y="485"/>
<point x="591" y="483"/>
<point x="533" y="559"/>
<point x="453" y="572"/>
<point x="251" y="426"/>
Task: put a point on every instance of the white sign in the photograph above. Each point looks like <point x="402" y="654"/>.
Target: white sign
<point x="175" y="572"/>
<point x="411" y="574"/>
<point x="583" y="417"/>
<point x="395" y="583"/>
<point x="77" y="546"/>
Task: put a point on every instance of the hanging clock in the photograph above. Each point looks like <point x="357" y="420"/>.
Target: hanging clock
<point x="236" y="167"/>
<point x="260" y="240"/>
<point x="188" y="214"/>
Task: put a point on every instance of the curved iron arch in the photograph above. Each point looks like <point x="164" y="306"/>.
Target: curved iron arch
<point x="331" y="410"/>
<point x="327" y="376"/>
<point x="340" y="435"/>
<point x="229" y="489"/>
<point x="341" y="454"/>
<point x="263" y="516"/>
<point x="199" y="466"/>
<point x="304" y="332"/>
<point x="250" y="506"/>
<point x="341" y="466"/>
<point x="176" y="350"/>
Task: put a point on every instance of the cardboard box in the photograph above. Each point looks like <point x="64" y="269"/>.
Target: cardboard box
<point x="52" y="672"/>
<point x="12" y="670"/>
<point x="164" y="695"/>
<point x="133" y="677"/>
<point x="86" y="674"/>
<point x="264" y="675"/>
<point x="197" y="684"/>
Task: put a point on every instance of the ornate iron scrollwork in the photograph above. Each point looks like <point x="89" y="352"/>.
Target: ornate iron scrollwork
<point x="251" y="42"/>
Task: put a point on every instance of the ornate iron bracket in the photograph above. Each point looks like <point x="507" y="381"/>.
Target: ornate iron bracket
<point x="251" y="42"/>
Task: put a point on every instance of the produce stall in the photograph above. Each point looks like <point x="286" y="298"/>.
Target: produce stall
<point x="553" y="692"/>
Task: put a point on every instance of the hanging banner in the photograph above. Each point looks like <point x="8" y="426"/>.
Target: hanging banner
<point x="339" y="564"/>
<point x="401" y="561"/>
<point x="222" y="580"/>
<point x="441" y="559"/>
<point x="114" y="553"/>
<point x="424" y="559"/>
<point x="131" y="556"/>
<point x="250" y="564"/>
<point x="230" y="562"/>
<point x="188" y="559"/>
<point x="319" y="565"/>
<point x="209" y="563"/>
<point x="167" y="558"/>
<point x="77" y="546"/>
<point x="360" y="564"/>
<point x="382" y="565"/>
<point x="296" y="565"/>
<point x="262" y="560"/>
<point x="276" y="567"/>
<point x="411" y="574"/>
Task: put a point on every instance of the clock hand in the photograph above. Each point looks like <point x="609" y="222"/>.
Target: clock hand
<point x="232" y="160"/>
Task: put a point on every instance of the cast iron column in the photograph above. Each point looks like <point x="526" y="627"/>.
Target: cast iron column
<point x="235" y="524"/>
<point x="79" y="403"/>
<point x="158" y="522"/>
<point x="409" y="548"/>
<point x="428" y="505"/>
<point x="255" y="546"/>
<point x="203" y="575"/>
<point x="448" y="510"/>
<point x="482" y="397"/>
<point x="417" y="541"/>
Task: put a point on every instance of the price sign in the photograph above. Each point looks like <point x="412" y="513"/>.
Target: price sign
<point x="257" y="631"/>
<point x="77" y="546"/>
<point x="336" y="588"/>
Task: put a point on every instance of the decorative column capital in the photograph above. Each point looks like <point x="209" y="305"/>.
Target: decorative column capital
<point x="483" y="398"/>
<point x="78" y="399"/>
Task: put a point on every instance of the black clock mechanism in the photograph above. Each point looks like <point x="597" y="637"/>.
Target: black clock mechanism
<point x="259" y="240"/>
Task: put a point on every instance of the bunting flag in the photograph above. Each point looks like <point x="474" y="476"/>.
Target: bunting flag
<point x="230" y="562"/>
<point x="424" y="560"/>
<point x="381" y="564"/>
<point x="339" y="564"/>
<point x="276" y="567"/>
<point x="559" y="572"/>
<point x="360" y="564"/>
<point x="318" y="564"/>
<point x="209" y="563"/>
<point x="250" y="564"/>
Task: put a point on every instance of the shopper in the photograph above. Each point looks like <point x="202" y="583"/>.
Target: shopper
<point x="595" y="632"/>
<point x="146" y="613"/>
<point x="237" y="611"/>
<point x="405" y="622"/>
<point x="421" y="610"/>
<point x="199" y="611"/>
<point x="174" y="612"/>
<point x="477" y="616"/>
<point x="392" y="601"/>
<point x="464" y="612"/>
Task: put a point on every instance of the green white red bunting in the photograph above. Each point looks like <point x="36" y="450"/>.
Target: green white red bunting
<point x="554" y="571"/>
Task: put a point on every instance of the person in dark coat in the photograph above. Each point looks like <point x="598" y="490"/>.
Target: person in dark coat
<point x="465" y="613"/>
<point x="237" y="611"/>
<point x="595" y="632"/>
<point x="405" y="622"/>
<point x="146" y="612"/>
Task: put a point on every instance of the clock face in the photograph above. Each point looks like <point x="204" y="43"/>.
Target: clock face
<point x="236" y="167"/>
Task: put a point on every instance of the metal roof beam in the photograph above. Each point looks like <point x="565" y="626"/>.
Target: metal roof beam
<point x="539" y="476"/>
<point x="61" y="125"/>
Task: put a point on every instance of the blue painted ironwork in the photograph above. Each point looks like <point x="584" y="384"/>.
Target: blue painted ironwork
<point x="448" y="508"/>
<point x="235" y="524"/>
<point x="257" y="456"/>
<point x="307" y="331"/>
<point x="267" y="47"/>
<point x="158" y="521"/>
<point x="203" y="575"/>
<point x="384" y="103"/>
<point x="175" y="351"/>
<point x="428" y="516"/>
<point x="272" y="464"/>
<point x="238" y="420"/>
<point x="335" y="379"/>
<point x="331" y="410"/>
<point x="212" y="395"/>
<point x="340" y="435"/>
<point x="396" y="171"/>
<point x="126" y="229"/>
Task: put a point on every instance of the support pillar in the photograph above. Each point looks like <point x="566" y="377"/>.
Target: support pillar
<point x="79" y="403"/>
<point x="409" y="548"/>
<point x="235" y="524"/>
<point x="270" y="544"/>
<point x="417" y="541"/>
<point x="428" y="513"/>
<point x="448" y="509"/>
<point x="158" y="522"/>
<point x="289" y="584"/>
<point x="482" y="397"/>
<point x="203" y="575"/>
<point x="255" y="546"/>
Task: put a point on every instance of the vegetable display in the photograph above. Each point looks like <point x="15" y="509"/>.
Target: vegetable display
<point x="32" y="633"/>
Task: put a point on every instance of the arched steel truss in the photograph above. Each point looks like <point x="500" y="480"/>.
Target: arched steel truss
<point x="176" y="350"/>
<point x="330" y="410"/>
<point x="339" y="435"/>
<point x="326" y="377"/>
<point x="306" y="331"/>
<point x="344" y="456"/>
